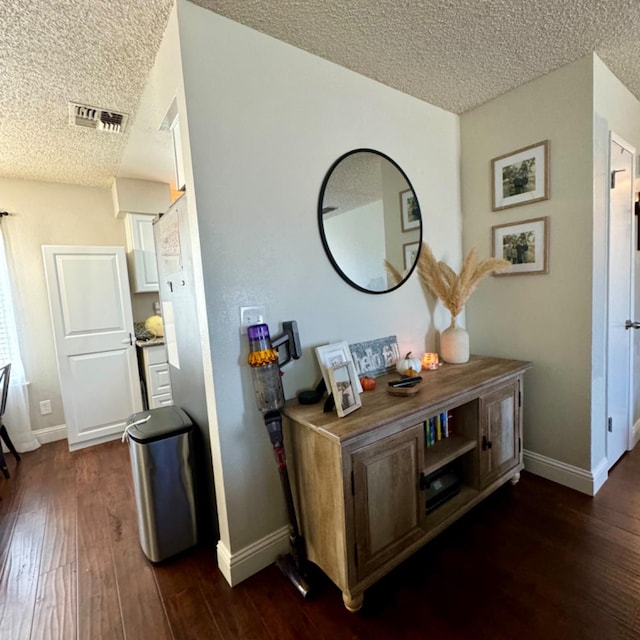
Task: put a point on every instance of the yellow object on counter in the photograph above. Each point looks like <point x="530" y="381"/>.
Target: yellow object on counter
<point x="153" y="324"/>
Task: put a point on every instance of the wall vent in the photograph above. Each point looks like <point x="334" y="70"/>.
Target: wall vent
<point x="82" y="115"/>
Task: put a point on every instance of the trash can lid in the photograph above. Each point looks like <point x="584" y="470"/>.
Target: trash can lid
<point x="156" y="424"/>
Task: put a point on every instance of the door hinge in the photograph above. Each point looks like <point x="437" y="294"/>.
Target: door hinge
<point x="519" y="398"/>
<point x="519" y="445"/>
<point x="353" y="485"/>
<point x="610" y="425"/>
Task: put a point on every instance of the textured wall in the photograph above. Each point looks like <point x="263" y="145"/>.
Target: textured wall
<point x="48" y="213"/>
<point x="266" y="121"/>
<point x="542" y="318"/>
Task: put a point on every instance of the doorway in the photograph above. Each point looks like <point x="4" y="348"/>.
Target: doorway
<point x="620" y="308"/>
<point x="93" y="332"/>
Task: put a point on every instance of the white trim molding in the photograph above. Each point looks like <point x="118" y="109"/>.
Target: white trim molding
<point x="51" y="434"/>
<point x="635" y="435"/>
<point x="588" y="482"/>
<point x="236" y="567"/>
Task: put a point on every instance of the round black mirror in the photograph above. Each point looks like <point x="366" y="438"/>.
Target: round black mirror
<point x="370" y="221"/>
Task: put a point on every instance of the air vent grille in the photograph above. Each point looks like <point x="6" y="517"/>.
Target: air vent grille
<point x="95" y="118"/>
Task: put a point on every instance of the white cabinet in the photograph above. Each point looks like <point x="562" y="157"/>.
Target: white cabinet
<point x="155" y="375"/>
<point x="143" y="268"/>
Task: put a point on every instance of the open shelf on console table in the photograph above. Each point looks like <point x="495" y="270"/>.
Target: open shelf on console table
<point x="446" y="451"/>
<point x="357" y="479"/>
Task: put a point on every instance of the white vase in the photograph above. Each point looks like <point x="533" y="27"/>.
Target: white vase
<point x="454" y="344"/>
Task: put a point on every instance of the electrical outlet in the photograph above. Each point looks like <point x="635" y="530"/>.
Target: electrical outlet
<point x="251" y="315"/>
<point x="45" y="408"/>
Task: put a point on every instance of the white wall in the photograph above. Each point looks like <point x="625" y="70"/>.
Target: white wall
<point x="542" y="318"/>
<point x="48" y="213"/>
<point x="265" y="123"/>
<point x="357" y="241"/>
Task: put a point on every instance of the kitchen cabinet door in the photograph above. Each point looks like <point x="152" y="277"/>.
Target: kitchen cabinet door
<point x="142" y="253"/>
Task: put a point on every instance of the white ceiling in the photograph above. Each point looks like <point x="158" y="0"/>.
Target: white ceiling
<point x="455" y="54"/>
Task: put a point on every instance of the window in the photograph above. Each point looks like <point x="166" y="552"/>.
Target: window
<point x="4" y="324"/>
<point x="9" y="350"/>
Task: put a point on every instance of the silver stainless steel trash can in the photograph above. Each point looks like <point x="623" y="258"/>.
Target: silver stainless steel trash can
<point x="162" y="467"/>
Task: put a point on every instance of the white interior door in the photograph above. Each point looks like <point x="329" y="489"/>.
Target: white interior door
<point x="95" y="348"/>
<point x="619" y="346"/>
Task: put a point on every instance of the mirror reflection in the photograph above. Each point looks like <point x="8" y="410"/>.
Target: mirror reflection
<point x="370" y="221"/>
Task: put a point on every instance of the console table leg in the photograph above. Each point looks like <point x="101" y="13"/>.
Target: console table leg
<point x="516" y="478"/>
<point x="352" y="603"/>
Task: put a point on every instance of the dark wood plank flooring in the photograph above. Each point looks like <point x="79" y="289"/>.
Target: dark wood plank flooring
<point x="535" y="561"/>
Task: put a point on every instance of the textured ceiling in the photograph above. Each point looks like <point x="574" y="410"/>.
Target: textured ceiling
<point x="455" y="54"/>
<point x="55" y="51"/>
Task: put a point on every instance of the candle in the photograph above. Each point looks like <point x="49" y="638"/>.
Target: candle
<point x="430" y="361"/>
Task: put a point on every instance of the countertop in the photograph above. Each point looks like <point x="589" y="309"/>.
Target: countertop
<point x="149" y="343"/>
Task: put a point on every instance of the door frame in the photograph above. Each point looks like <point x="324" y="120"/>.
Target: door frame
<point x="615" y="138"/>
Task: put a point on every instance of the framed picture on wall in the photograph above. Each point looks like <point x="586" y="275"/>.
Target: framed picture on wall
<point x="410" y="210"/>
<point x="410" y="251"/>
<point x="524" y="244"/>
<point x="520" y="177"/>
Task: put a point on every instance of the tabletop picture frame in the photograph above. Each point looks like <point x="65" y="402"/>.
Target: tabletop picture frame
<point x="342" y="381"/>
<point x="520" y="177"/>
<point x="330" y="355"/>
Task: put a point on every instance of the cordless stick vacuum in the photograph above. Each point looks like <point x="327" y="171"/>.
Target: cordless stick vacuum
<point x="265" y="366"/>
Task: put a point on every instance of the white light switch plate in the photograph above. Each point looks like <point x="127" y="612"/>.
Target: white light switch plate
<point x="251" y="315"/>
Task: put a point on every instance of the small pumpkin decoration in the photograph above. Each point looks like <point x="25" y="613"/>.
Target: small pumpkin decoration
<point x="409" y="366"/>
<point x="368" y="383"/>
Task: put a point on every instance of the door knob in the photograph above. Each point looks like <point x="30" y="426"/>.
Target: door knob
<point x="631" y="325"/>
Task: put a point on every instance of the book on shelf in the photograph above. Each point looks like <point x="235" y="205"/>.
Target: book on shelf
<point x="436" y="428"/>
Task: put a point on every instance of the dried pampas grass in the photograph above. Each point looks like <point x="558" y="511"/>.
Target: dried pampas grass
<point x="394" y="275"/>
<point x="453" y="289"/>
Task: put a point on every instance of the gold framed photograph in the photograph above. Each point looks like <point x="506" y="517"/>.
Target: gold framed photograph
<point x="524" y="244"/>
<point x="520" y="177"/>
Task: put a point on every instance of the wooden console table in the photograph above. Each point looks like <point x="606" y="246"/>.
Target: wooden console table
<point x="359" y="481"/>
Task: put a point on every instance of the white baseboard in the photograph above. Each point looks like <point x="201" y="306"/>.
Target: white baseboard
<point x="51" y="434"/>
<point x="236" y="567"/>
<point x="83" y="444"/>
<point x="588" y="482"/>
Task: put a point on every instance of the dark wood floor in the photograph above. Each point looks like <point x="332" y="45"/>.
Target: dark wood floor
<point x="535" y="561"/>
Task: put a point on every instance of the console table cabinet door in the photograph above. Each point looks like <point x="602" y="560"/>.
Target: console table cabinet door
<point x="499" y="436"/>
<point x="389" y="506"/>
